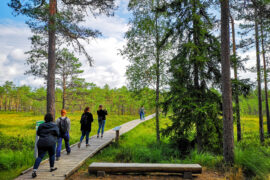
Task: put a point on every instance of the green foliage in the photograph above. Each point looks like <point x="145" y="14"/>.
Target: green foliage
<point x="119" y="101"/>
<point x="254" y="160"/>
<point x="139" y="145"/>
<point x="249" y="104"/>
<point x="148" y="57"/>
<point x="135" y="146"/>
<point x="195" y="70"/>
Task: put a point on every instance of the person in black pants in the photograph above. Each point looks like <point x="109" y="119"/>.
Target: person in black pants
<point x="101" y="120"/>
<point x="86" y="121"/>
<point x="48" y="133"/>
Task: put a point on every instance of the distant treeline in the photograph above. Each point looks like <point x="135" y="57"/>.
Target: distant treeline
<point x="249" y="104"/>
<point x="119" y="101"/>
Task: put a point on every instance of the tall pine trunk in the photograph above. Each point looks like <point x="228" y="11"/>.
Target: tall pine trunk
<point x="265" y="80"/>
<point x="228" y="138"/>
<point x="157" y="75"/>
<point x="64" y="92"/>
<point x="259" y="78"/>
<point x="51" y="59"/>
<point x="236" y="95"/>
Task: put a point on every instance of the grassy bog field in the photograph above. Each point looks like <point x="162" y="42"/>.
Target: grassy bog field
<point x="139" y="145"/>
<point x="17" y="138"/>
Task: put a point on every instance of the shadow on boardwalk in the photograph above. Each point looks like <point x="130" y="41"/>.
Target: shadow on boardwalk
<point x="70" y="163"/>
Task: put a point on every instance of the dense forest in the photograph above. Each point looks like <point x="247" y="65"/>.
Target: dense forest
<point x="119" y="101"/>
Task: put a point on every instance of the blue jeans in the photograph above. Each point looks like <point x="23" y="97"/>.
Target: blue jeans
<point x="101" y="125"/>
<point x="141" y="115"/>
<point x="59" y="144"/>
<point x="85" y="133"/>
<point x="41" y="153"/>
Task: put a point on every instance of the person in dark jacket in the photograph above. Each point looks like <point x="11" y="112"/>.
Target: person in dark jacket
<point x="48" y="133"/>
<point x="86" y="121"/>
<point x="101" y="120"/>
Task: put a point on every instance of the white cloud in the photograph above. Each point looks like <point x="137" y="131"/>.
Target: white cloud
<point x="249" y="64"/>
<point x="109" y="26"/>
<point x="109" y="67"/>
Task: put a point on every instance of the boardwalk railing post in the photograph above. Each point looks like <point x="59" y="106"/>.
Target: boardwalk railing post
<point x="117" y="135"/>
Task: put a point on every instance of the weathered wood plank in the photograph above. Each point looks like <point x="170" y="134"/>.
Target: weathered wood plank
<point x="144" y="167"/>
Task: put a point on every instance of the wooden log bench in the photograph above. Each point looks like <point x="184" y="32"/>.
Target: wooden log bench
<point x="186" y="169"/>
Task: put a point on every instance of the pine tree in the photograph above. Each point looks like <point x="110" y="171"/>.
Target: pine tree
<point x="60" y="19"/>
<point x="194" y="71"/>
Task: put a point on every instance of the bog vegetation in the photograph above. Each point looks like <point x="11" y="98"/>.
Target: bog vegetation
<point x="17" y="138"/>
<point x="139" y="145"/>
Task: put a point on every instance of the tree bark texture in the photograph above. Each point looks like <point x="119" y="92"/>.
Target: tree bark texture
<point x="259" y="78"/>
<point x="51" y="59"/>
<point x="236" y="95"/>
<point x="228" y="137"/>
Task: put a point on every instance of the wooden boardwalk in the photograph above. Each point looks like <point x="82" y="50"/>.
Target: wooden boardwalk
<point x="68" y="164"/>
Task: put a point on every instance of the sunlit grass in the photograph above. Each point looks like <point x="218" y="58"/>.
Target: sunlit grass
<point x="17" y="137"/>
<point x="139" y="145"/>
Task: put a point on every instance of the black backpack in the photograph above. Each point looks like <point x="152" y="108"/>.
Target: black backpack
<point x="84" y="120"/>
<point x="63" y="126"/>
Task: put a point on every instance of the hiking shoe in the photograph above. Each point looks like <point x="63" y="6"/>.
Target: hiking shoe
<point x="34" y="174"/>
<point x="57" y="158"/>
<point x="87" y="145"/>
<point x="53" y="169"/>
<point x="68" y="153"/>
<point x="79" y="145"/>
<point x="102" y="136"/>
<point x="97" y="136"/>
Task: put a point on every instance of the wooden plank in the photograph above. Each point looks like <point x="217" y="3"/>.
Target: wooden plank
<point x="144" y="167"/>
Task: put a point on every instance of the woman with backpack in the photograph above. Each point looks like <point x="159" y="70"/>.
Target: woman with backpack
<point x="48" y="133"/>
<point x="101" y="120"/>
<point x="86" y="121"/>
<point x="63" y="124"/>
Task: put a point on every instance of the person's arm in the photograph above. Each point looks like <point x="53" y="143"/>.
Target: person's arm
<point x="91" y="117"/>
<point x="81" y="119"/>
<point x="38" y="130"/>
<point x="106" y="112"/>
<point x="56" y="131"/>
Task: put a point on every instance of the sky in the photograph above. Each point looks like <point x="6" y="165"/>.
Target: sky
<point x="109" y="66"/>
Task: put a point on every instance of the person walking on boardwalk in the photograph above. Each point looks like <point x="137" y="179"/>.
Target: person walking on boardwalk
<point x="86" y="121"/>
<point x="101" y="120"/>
<point x="142" y="113"/>
<point x="63" y="124"/>
<point x="48" y="133"/>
